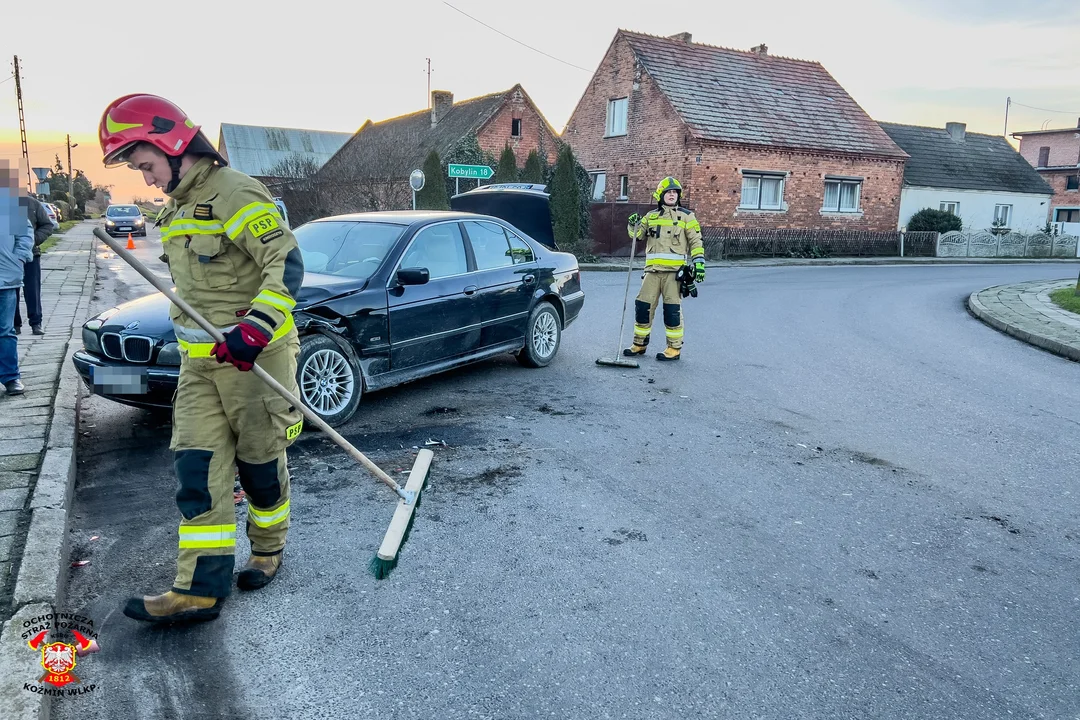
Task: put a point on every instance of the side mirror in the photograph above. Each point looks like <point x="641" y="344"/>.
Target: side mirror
<point x="413" y="276"/>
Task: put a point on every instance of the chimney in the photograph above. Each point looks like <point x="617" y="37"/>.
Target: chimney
<point x="761" y="49"/>
<point x="684" y="37"/>
<point x="956" y="131"/>
<point x="441" y="102"/>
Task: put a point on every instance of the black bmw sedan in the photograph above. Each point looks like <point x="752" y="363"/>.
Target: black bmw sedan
<point x="387" y="298"/>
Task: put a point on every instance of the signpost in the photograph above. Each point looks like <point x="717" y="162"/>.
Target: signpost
<point x="416" y="182"/>
<point x="469" y="172"/>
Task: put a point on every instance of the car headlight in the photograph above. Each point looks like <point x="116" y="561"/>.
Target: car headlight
<point x="96" y="322"/>
<point x="169" y="355"/>
<point x="139" y="221"/>
<point x="110" y="222"/>
<point x="90" y="341"/>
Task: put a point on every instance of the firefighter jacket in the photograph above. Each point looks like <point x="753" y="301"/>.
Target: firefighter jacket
<point x="673" y="238"/>
<point x="231" y="256"/>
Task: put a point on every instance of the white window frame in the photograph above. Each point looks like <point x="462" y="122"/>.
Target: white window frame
<point x="598" y="179"/>
<point x="1007" y="222"/>
<point x="840" y="183"/>
<point x="759" y="176"/>
<point x="950" y="206"/>
<point x="624" y="187"/>
<point x="618" y="113"/>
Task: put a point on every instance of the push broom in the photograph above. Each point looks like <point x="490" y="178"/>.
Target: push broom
<point x="618" y="360"/>
<point x="385" y="559"/>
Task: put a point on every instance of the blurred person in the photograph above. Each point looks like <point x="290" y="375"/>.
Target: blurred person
<point x="16" y="249"/>
<point x="43" y="228"/>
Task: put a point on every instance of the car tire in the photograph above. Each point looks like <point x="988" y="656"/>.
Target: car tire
<point x="329" y="379"/>
<point x="543" y="333"/>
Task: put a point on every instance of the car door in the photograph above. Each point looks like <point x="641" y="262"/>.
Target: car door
<point x="505" y="287"/>
<point x="440" y="319"/>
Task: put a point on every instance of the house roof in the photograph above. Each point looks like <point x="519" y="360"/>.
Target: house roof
<point x="394" y="147"/>
<point x="758" y="99"/>
<point x="255" y="150"/>
<point x="979" y="162"/>
<point x="1047" y="132"/>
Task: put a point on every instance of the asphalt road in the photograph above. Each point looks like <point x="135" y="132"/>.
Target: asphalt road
<point x="850" y="499"/>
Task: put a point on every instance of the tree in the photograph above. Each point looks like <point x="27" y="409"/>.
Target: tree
<point x="466" y="151"/>
<point x="433" y="196"/>
<point x="566" y="202"/>
<point x="533" y="172"/>
<point x="930" y="220"/>
<point x="60" y="186"/>
<point x="294" y="166"/>
<point x="507" y="170"/>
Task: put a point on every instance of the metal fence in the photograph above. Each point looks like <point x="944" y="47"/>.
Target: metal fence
<point x="730" y="243"/>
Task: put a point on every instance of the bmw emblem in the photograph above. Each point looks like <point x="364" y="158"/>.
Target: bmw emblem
<point x="134" y="325"/>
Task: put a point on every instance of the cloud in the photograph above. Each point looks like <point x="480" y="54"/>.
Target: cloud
<point x="989" y="12"/>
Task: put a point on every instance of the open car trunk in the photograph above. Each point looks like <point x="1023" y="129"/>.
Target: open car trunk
<point x="523" y="205"/>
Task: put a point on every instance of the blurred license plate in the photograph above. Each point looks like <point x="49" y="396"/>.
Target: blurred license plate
<point x="118" y="380"/>
<point x="127" y="229"/>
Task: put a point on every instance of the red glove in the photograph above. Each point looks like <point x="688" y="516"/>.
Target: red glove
<point x="242" y="345"/>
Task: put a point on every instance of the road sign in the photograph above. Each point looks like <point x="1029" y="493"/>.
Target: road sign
<point x="416" y="180"/>
<point x="43" y="188"/>
<point x="474" y="172"/>
<point x="42" y="173"/>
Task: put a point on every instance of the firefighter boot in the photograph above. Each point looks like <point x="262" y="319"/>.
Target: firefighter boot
<point x="259" y="571"/>
<point x="668" y="355"/>
<point x="173" y="607"/>
<point x="634" y="350"/>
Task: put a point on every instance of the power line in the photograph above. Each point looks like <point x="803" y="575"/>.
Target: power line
<point x="10" y="77"/>
<point x="1032" y="107"/>
<point x="515" y="39"/>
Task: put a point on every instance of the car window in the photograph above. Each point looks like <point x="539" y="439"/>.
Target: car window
<point x="439" y="248"/>
<point x="123" y="211"/>
<point x="346" y="249"/>
<point x="489" y="245"/>
<point x="520" y="250"/>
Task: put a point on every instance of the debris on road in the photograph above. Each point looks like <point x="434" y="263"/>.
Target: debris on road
<point x="435" y="442"/>
<point x="80" y="563"/>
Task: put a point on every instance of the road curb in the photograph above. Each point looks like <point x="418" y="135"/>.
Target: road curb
<point x="1028" y="334"/>
<point x="40" y="585"/>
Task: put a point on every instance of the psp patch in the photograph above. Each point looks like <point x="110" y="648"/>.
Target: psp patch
<point x="203" y="212"/>
<point x="293" y="431"/>
<point x="262" y="225"/>
<point x="272" y="235"/>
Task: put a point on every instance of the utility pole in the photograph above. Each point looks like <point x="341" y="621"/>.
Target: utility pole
<point x="71" y="178"/>
<point x="429" y="83"/>
<point x="22" y="127"/>
<point x="1008" y="102"/>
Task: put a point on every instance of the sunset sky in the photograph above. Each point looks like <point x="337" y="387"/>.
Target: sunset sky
<point x="331" y="66"/>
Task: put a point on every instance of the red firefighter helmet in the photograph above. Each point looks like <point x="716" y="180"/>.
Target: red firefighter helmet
<point x="151" y="119"/>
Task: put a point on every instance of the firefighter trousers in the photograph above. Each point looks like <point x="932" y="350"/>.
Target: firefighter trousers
<point x="655" y="286"/>
<point x="225" y="422"/>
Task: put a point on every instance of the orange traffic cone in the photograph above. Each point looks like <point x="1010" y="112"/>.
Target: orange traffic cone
<point x="131" y="242"/>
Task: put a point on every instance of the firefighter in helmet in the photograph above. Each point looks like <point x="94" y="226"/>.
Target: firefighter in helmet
<point x="673" y="239"/>
<point x="235" y="261"/>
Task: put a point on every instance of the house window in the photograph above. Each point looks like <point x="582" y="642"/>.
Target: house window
<point x="599" y="185"/>
<point x="842" y="195"/>
<point x="616" y="117"/>
<point x="953" y="208"/>
<point x="762" y="192"/>
<point x="1002" y="215"/>
<point x="1072" y="182"/>
<point x="515" y="127"/>
<point x="1069" y="215"/>
<point x="1044" y="156"/>
<point x="624" y="187"/>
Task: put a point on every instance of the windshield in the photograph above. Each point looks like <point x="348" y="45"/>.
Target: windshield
<point x="346" y="249"/>
<point x="123" y="211"/>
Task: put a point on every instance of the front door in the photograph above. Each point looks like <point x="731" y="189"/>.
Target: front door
<point x="440" y="319"/>
<point x="506" y="277"/>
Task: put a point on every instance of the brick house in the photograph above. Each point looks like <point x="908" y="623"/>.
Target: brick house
<point x="371" y="170"/>
<point x="1055" y="154"/>
<point x="757" y="140"/>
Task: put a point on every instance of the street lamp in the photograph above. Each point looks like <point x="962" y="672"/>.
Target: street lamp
<point x="71" y="176"/>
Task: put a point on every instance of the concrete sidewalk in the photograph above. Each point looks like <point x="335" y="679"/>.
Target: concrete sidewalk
<point x="37" y="462"/>
<point x="1026" y="312"/>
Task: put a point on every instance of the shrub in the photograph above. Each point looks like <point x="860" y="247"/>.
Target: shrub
<point x="930" y="220"/>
